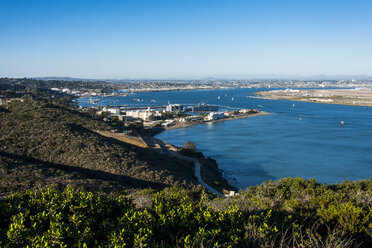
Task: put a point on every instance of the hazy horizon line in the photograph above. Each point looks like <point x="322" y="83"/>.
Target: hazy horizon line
<point x="213" y="77"/>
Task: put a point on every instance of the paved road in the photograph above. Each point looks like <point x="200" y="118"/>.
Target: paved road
<point x="201" y="181"/>
<point x="164" y="147"/>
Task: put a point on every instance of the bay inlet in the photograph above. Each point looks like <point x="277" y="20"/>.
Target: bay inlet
<point x="299" y="140"/>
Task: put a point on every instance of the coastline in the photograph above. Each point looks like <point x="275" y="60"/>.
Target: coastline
<point x="191" y="124"/>
<point x="345" y="97"/>
<point x="320" y="102"/>
<point x="210" y="172"/>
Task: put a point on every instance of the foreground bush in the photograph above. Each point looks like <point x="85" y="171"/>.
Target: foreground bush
<point x="172" y="218"/>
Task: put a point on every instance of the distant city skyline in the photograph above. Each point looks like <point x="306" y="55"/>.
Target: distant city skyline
<point x="223" y="77"/>
<point x="188" y="39"/>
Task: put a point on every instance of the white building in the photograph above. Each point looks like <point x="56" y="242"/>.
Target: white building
<point x="244" y="111"/>
<point x="190" y="118"/>
<point x="174" y="108"/>
<point x="113" y="111"/>
<point x="138" y="114"/>
<point x="215" y="116"/>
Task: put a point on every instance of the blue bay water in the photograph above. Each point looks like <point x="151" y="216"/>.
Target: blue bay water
<point x="305" y="139"/>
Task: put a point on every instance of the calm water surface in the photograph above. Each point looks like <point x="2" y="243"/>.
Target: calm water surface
<point x="297" y="139"/>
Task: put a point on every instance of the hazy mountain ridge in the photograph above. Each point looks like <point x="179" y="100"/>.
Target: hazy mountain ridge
<point x="226" y="77"/>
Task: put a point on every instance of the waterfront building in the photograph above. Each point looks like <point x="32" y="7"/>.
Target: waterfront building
<point x="113" y="111"/>
<point x="203" y="107"/>
<point x="229" y="113"/>
<point x="174" y="108"/>
<point x="214" y="116"/>
<point x="138" y="114"/>
<point x="190" y="118"/>
<point x="244" y="111"/>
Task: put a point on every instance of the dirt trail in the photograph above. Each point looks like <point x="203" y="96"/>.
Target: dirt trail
<point x="161" y="147"/>
<point x="134" y="140"/>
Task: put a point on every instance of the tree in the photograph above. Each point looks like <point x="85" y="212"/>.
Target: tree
<point x="189" y="145"/>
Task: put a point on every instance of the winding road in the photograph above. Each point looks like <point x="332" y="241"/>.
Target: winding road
<point x="170" y="150"/>
<point x="201" y="181"/>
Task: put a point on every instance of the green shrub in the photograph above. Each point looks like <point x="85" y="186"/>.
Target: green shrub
<point x="71" y="218"/>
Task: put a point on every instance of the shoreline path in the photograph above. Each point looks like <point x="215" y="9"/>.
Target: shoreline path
<point x="170" y="150"/>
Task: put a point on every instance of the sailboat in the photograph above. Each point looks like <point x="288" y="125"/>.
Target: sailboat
<point x="232" y="99"/>
<point x="219" y="97"/>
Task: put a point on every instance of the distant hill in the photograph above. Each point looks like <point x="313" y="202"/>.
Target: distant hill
<point x="228" y="77"/>
<point x="66" y="79"/>
<point x="287" y="77"/>
<point x="29" y="84"/>
<point x="43" y="144"/>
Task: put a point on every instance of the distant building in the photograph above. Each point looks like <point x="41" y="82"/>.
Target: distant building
<point x="138" y="114"/>
<point x="245" y="111"/>
<point x="190" y="118"/>
<point x="203" y="107"/>
<point x="214" y="116"/>
<point x="113" y="111"/>
<point x="229" y="113"/>
<point x="174" y="108"/>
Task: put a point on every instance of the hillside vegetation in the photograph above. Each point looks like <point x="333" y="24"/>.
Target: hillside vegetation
<point x="286" y="213"/>
<point x="62" y="184"/>
<point x="45" y="144"/>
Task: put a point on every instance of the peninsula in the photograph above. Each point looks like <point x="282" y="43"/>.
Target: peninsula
<point x="236" y="117"/>
<point x="354" y="97"/>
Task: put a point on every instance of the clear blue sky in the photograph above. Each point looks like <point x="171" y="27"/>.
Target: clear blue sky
<point x="163" y="39"/>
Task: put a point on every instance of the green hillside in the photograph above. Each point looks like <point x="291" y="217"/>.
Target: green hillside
<point x="44" y="144"/>
<point x="62" y="184"/>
